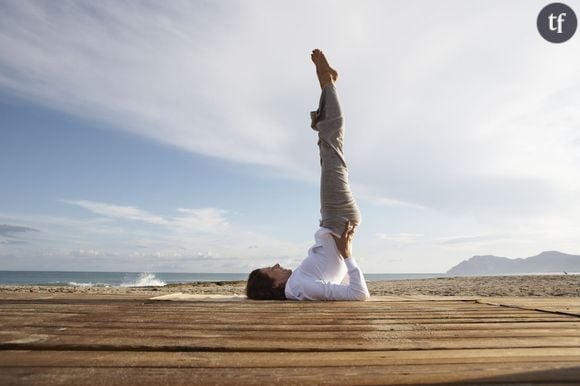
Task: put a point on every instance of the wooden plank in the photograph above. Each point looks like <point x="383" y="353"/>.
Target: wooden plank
<point x="276" y="311"/>
<point x="272" y="311"/>
<point x="367" y="375"/>
<point x="245" y="322"/>
<point x="244" y="319"/>
<point x="159" y="325"/>
<point x="279" y="317"/>
<point x="96" y="319"/>
<point x="20" y="320"/>
<point x="418" y="332"/>
<point x="318" y="321"/>
<point x="15" y="358"/>
<point x="199" y="310"/>
<point x="569" y="306"/>
<point x="265" y="306"/>
<point x="282" y="312"/>
<point x="46" y="313"/>
<point x="90" y="299"/>
<point x="307" y="307"/>
<point x="311" y="309"/>
<point x="422" y="298"/>
<point x="36" y="296"/>
<point x="137" y="342"/>
<point x="273" y="321"/>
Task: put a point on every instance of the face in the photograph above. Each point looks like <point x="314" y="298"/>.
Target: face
<point x="278" y="274"/>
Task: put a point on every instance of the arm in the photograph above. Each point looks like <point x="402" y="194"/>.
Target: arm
<point x="344" y="244"/>
<point x="356" y="290"/>
<point x="357" y="287"/>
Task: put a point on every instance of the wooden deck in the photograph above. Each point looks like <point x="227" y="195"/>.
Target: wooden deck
<point x="100" y="340"/>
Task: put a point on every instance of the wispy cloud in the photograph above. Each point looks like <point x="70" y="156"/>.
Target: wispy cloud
<point x="6" y="229"/>
<point x="118" y="211"/>
<point x="130" y="238"/>
<point x="400" y="238"/>
<point x="363" y="191"/>
<point x="198" y="220"/>
<point x="12" y="242"/>
<point x="203" y="219"/>
<point x="472" y="239"/>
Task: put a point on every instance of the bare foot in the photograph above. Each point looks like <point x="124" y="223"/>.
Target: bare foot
<point x="326" y="74"/>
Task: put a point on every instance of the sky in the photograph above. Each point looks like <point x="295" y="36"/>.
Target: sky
<point x="175" y="136"/>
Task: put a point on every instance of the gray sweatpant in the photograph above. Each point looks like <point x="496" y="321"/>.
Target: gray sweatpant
<point x="337" y="204"/>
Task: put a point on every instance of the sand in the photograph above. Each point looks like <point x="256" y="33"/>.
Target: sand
<point x="519" y="286"/>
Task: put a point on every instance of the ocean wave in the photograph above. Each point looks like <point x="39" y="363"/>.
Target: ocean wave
<point x="75" y="284"/>
<point x="145" y="280"/>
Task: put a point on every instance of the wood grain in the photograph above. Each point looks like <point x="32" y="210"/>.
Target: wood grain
<point x="106" y="341"/>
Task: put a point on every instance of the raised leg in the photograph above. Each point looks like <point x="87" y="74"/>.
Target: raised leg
<point x="337" y="203"/>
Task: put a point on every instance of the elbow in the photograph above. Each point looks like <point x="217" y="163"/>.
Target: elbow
<point x="362" y="296"/>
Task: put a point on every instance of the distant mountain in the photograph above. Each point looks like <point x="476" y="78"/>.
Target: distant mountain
<point x="549" y="261"/>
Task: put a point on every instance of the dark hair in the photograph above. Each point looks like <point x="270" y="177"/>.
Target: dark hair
<point x="261" y="287"/>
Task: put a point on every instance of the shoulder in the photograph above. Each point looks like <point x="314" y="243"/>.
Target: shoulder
<point x="301" y="286"/>
<point x="293" y="285"/>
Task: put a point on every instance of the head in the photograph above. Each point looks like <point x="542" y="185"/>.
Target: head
<point x="268" y="283"/>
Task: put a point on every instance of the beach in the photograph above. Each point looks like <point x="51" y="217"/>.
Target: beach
<point x="491" y="286"/>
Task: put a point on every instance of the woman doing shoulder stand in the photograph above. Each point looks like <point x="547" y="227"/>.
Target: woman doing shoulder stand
<point x="329" y="272"/>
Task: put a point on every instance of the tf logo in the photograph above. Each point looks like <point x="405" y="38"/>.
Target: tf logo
<point x="557" y="22"/>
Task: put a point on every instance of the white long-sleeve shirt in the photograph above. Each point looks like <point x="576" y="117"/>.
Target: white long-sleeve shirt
<point x="323" y="274"/>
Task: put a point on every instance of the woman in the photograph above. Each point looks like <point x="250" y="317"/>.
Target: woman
<point x="323" y="274"/>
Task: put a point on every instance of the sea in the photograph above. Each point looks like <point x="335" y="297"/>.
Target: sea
<point x="151" y="279"/>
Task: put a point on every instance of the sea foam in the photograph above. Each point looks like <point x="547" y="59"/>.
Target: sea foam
<point x="76" y="284"/>
<point x="145" y="279"/>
